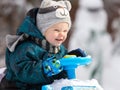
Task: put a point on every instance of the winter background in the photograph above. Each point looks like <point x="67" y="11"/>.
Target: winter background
<point x="95" y="29"/>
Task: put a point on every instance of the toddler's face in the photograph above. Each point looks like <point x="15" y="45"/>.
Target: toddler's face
<point x="57" y="34"/>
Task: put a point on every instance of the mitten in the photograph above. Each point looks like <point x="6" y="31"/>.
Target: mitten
<point x="52" y="66"/>
<point x="78" y="52"/>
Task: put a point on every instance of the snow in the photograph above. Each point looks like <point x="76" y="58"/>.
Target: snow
<point x="90" y="35"/>
<point x="104" y="52"/>
<point x="2" y="72"/>
<point x="111" y="70"/>
<point x="58" y="84"/>
<point x="91" y="3"/>
<point x="111" y="74"/>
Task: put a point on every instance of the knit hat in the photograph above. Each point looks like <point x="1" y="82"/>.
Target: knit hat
<point x="52" y="12"/>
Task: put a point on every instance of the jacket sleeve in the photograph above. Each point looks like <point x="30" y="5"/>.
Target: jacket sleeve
<point x="26" y="63"/>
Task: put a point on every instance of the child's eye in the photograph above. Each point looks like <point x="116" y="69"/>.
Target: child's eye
<point x="65" y="30"/>
<point x="56" y="30"/>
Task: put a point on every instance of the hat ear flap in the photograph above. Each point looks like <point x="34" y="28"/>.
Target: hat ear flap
<point x="68" y="5"/>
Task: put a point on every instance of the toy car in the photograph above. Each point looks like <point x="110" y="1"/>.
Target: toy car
<point x="70" y="63"/>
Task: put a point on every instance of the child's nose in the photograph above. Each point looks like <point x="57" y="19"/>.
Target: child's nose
<point x="61" y="34"/>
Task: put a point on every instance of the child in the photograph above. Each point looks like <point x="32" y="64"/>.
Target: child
<point x="31" y="53"/>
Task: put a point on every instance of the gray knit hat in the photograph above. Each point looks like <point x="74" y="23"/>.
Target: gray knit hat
<point x="52" y="12"/>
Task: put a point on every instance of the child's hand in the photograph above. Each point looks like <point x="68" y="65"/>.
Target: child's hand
<point x="78" y="52"/>
<point x="52" y="66"/>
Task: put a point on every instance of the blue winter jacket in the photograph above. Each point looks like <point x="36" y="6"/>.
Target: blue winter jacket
<point x="24" y="64"/>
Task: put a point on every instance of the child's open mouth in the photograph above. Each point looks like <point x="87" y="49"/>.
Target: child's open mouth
<point x="59" y="40"/>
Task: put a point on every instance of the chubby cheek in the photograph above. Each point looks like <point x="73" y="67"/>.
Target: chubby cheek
<point x="64" y="37"/>
<point x="51" y="39"/>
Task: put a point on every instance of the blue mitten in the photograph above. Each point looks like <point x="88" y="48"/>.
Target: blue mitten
<point x="78" y="52"/>
<point x="52" y="66"/>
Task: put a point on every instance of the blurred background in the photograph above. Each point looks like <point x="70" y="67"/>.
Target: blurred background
<point x="95" y="29"/>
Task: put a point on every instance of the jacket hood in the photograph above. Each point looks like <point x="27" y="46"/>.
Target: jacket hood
<point x="28" y="25"/>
